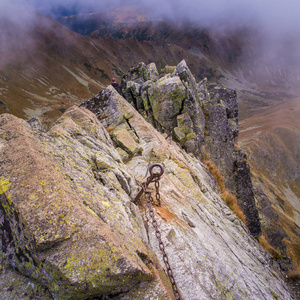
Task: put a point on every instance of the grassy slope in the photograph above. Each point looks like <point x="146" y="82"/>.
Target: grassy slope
<point x="54" y="67"/>
<point x="271" y="139"/>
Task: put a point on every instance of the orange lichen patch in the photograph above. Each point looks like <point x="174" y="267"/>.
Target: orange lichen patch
<point x="167" y="215"/>
<point x="104" y="116"/>
<point x="160" y="275"/>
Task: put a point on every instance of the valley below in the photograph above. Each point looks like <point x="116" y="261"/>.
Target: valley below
<point x="271" y="140"/>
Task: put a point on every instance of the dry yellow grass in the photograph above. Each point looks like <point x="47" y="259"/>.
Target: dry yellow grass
<point x="236" y="146"/>
<point x="265" y="244"/>
<point x="293" y="251"/>
<point x="216" y="174"/>
<point x="104" y="116"/>
<point x="294" y="273"/>
<point x="228" y="197"/>
<point x="110" y="128"/>
<point x="232" y="203"/>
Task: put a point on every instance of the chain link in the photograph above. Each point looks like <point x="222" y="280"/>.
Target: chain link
<point x="157" y="195"/>
<point x="149" y="201"/>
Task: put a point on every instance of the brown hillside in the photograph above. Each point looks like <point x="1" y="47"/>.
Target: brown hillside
<point x="272" y="139"/>
<point x="48" y="67"/>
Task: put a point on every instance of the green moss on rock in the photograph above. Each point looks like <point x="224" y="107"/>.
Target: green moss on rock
<point x="190" y="136"/>
<point x="166" y="97"/>
<point x="4" y="185"/>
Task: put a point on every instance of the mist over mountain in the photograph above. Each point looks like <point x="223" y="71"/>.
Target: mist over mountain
<point x="246" y="58"/>
<point x="277" y="17"/>
<point x="268" y="31"/>
<point x="55" y="54"/>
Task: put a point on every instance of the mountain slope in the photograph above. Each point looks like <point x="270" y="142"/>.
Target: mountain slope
<point x="271" y="140"/>
<point x="72" y="227"/>
<point x="49" y="68"/>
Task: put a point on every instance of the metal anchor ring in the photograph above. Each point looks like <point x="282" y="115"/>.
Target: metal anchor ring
<point x="156" y="174"/>
<point x="150" y="179"/>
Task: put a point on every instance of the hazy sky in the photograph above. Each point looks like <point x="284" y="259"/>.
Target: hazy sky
<point x="276" y="19"/>
<point x="276" y="14"/>
<point x="272" y="14"/>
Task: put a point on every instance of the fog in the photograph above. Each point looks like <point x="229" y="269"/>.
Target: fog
<point x="277" y="21"/>
<point x="276" y="16"/>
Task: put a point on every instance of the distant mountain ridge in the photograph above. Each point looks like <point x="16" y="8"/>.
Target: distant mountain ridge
<point x="87" y="23"/>
<point x="75" y="66"/>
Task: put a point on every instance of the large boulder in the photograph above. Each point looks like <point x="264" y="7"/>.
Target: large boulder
<point x="166" y="98"/>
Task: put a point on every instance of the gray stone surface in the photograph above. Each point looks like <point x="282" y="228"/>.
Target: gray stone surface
<point x="202" y="119"/>
<point x="69" y="224"/>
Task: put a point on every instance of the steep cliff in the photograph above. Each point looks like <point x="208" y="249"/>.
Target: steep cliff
<point x="70" y="228"/>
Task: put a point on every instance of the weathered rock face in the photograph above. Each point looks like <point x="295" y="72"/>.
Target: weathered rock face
<point x="203" y="119"/>
<point x="69" y="224"/>
<point x="56" y="215"/>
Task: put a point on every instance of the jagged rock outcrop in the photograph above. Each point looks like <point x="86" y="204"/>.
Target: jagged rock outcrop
<point x="69" y="226"/>
<point x="202" y="118"/>
<point x="55" y="214"/>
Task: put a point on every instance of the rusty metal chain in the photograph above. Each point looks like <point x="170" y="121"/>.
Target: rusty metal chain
<point x="157" y="194"/>
<point x="149" y="200"/>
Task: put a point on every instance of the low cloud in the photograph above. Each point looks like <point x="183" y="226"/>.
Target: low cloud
<point x="271" y="15"/>
<point x="276" y="21"/>
<point x="276" y="17"/>
<point x="15" y="21"/>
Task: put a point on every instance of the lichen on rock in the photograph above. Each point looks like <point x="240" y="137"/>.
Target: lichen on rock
<point x="67" y="216"/>
<point x="199" y="117"/>
<point x="64" y="209"/>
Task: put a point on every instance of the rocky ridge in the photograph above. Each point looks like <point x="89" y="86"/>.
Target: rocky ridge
<point x="70" y="229"/>
<point x="203" y="119"/>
